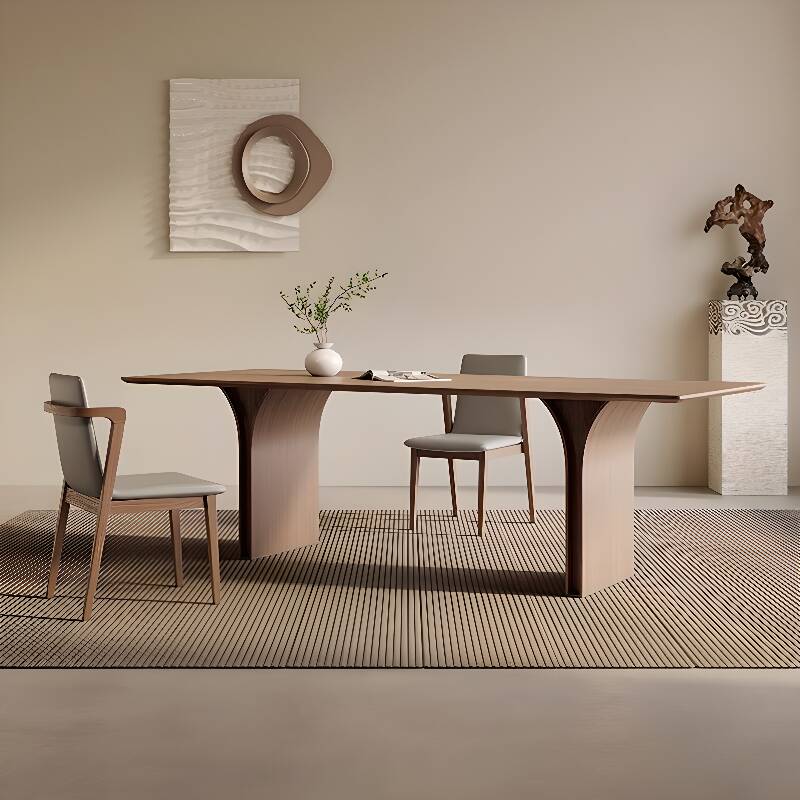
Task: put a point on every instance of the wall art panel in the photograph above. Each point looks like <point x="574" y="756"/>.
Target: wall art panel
<point x="206" y="209"/>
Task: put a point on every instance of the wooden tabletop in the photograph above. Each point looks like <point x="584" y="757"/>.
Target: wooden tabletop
<point x="656" y="391"/>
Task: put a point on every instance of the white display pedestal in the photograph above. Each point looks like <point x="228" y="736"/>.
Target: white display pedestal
<point x="747" y="434"/>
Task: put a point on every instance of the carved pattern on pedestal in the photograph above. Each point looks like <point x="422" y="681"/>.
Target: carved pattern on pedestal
<point x="757" y="317"/>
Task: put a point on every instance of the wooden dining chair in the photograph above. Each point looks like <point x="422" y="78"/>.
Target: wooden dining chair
<point x="483" y="428"/>
<point x="95" y="487"/>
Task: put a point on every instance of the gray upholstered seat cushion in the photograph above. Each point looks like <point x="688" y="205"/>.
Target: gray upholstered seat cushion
<point x="462" y="442"/>
<point x="162" y="484"/>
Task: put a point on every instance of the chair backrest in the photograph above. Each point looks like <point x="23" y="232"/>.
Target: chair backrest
<point x="77" y="445"/>
<point x="498" y="415"/>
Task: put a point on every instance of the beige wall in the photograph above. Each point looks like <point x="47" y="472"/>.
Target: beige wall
<point x="534" y="176"/>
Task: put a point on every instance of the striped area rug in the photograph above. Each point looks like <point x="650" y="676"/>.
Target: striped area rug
<point x="712" y="589"/>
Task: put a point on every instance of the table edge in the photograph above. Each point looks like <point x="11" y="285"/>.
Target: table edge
<point x="441" y="389"/>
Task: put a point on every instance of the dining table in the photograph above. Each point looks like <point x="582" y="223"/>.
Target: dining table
<point x="278" y="414"/>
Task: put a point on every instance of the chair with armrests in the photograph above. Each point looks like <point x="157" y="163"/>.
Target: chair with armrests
<point x="483" y="428"/>
<point x="96" y="487"/>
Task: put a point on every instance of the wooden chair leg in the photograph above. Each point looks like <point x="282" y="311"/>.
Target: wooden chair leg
<point x="451" y="468"/>
<point x="177" y="549"/>
<point x="526" y="451"/>
<point x="58" y="543"/>
<point x="94" y="566"/>
<point x="413" y="483"/>
<point x="529" y="481"/>
<point x="481" y="492"/>
<point x="210" y="506"/>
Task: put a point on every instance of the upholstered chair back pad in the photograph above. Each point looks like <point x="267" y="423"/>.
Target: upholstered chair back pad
<point x="498" y="415"/>
<point x="77" y="445"/>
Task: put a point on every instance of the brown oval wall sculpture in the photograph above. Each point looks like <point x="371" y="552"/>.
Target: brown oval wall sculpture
<point x="312" y="165"/>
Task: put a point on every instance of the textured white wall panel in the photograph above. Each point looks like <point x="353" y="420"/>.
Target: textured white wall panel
<point x="206" y="211"/>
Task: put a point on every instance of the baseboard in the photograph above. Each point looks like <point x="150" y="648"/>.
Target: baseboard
<point x="16" y="499"/>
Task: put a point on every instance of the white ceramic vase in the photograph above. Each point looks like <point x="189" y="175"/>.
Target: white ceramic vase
<point x="323" y="361"/>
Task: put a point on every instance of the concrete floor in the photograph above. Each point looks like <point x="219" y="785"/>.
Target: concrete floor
<point x="400" y="734"/>
<point x="332" y="734"/>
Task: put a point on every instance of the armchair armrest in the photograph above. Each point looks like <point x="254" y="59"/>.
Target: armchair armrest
<point x="111" y="413"/>
<point x="116" y="416"/>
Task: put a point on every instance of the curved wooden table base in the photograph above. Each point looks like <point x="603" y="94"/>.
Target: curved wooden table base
<point x="599" y="439"/>
<point x="278" y="467"/>
<point x="279" y="478"/>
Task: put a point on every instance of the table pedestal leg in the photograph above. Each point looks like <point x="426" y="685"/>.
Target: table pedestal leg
<point x="599" y="438"/>
<point x="278" y="467"/>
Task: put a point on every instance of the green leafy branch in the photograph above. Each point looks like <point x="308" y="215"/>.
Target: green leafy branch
<point x="314" y="313"/>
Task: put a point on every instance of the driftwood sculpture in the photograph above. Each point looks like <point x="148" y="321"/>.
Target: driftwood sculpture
<point x="747" y="211"/>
